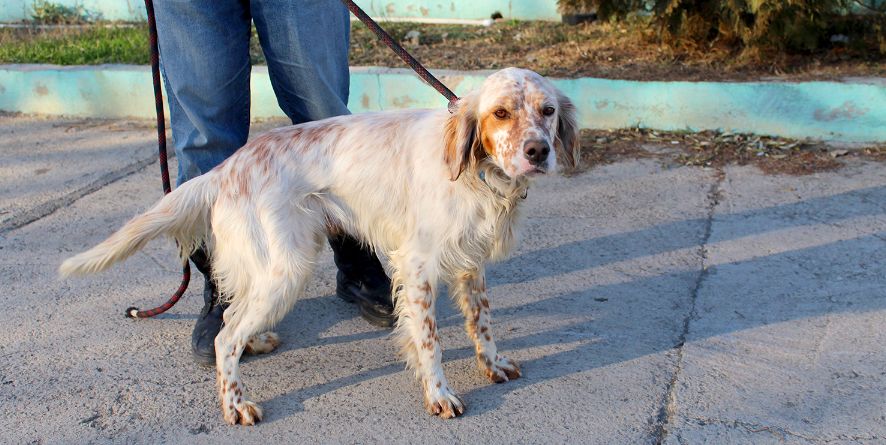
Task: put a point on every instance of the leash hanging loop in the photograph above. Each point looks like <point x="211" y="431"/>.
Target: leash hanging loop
<point x="133" y="312"/>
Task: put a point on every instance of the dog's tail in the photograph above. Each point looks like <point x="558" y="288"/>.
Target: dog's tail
<point x="183" y="215"/>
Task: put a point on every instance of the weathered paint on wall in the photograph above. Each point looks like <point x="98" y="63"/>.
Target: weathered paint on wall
<point x="456" y="9"/>
<point x="849" y="111"/>
<point x="129" y="10"/>
<point x="134" y="10"/>
<point x="852" y="111"/>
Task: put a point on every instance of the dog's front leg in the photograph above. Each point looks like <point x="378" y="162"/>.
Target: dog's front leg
<point x="417" y="329"/>
<point x="469" y="290"/>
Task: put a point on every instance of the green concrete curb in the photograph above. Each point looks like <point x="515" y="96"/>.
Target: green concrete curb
<point x="853" y="110"/>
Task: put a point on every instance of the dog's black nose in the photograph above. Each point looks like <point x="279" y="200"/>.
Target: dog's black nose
<point x="536" y="151"/>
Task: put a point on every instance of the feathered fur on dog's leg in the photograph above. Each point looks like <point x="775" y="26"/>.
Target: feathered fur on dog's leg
<point x="263" y="270"/>
<point x="469" y="290"/>
<point x="417" y="331"/>
<point x="182" y="215"/>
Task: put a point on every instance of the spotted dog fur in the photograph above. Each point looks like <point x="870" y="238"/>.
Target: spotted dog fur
<point x="436" y="193"/>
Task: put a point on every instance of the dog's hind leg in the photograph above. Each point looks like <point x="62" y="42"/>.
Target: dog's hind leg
<point x="243" y="320"/>
<point x="417" y="331"/>
<point x="290" y="252"/>
<point x="469" y="290"/>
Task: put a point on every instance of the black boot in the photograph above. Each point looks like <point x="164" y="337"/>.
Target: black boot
<point x="210" y="321"/>
<point x="361" y="279"/>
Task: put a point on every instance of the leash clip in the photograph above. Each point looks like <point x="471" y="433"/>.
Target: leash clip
<point x="453" y="105"/>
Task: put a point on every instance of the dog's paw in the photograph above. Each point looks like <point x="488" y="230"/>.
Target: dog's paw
<point x="244" y="413"/>
<point x="262" y="343"/>
<point x="235" y="408"/>
<point x="444" y="403"/>
<point x="499" y="370"/>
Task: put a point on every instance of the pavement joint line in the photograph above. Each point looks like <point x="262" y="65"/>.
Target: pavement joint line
<point x="668" y="411"/>
<point x="48" y="208"/>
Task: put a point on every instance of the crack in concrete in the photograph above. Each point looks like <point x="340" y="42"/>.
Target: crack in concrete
<point x="668" y="411"/>
<point x="49" y="207"/>
<point x="754" y="428"/>
<point x="780" y="432"/>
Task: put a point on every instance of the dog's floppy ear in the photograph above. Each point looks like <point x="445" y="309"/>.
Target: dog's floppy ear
<point x="460" y="137"/>
<point x="567" y="140"/>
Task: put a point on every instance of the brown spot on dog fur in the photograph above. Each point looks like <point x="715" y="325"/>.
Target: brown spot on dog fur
<point x="485" y="303"/>
<point x="315" y="135"/>
<point x="487" y="337"/>
<point x="426" y="304"/>
<point x="483" y="329"/>
<point x="430" y="323"/>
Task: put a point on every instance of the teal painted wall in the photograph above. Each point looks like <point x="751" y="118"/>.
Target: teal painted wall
<point x="129" y="10"/>
<point x="132" y="10"/>
<point x="843" y="111"/>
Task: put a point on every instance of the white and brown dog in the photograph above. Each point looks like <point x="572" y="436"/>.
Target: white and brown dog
<point x="437" y="193"/>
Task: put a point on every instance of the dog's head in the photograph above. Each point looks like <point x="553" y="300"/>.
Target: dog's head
<point x="518" y="120"/>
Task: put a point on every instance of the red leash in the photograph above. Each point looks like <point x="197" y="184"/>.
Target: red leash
<point x="423" y="73"/>
<point x="134" y="312"/>
<point x="414" y="64"/>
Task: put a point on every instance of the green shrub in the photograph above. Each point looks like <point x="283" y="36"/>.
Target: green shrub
<point x="46" y="12"/>
<point x="799" y="25"/>
<point x="783" y="25"/>
<point x="604" y="8"/>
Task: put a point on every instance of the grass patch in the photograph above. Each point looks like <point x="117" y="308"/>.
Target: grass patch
<point x="622" y="50"/>
<point x="90" y="45"/>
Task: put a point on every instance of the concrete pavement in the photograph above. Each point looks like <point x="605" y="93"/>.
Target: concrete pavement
<point x="646" y="304"/>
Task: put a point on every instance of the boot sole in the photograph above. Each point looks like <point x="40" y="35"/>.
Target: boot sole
<point x="374" y="318"/>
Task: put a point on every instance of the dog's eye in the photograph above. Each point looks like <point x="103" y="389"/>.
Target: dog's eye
<point x="501" y="113"/>
<point x="547" y="111"/>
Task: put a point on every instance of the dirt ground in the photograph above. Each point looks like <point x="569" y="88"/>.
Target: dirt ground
<point x="606" y="50"/>
<point x="711" y="149"/>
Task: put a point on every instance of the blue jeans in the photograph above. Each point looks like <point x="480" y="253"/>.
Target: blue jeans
<point x="204" y="55"/>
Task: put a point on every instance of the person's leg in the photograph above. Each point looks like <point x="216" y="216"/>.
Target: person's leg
<point x="306" y="46"/>
<point x="204" y="56"/>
